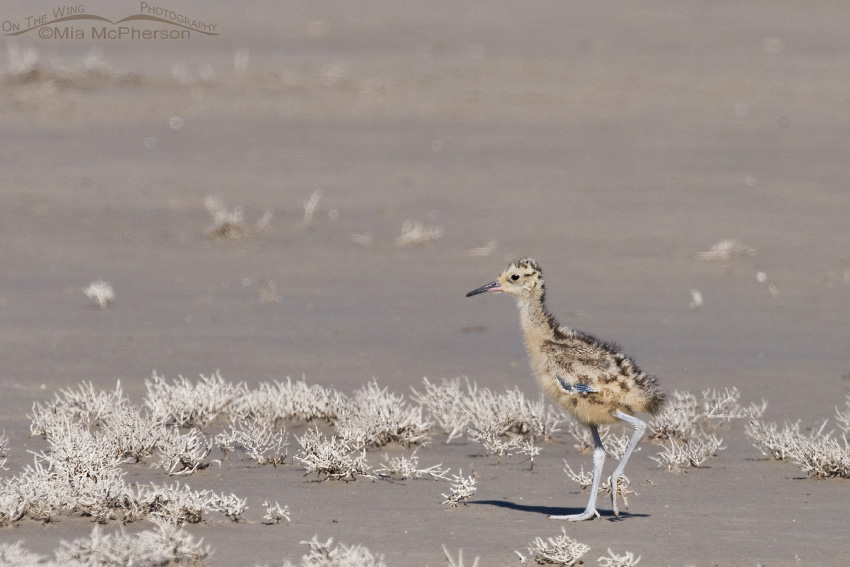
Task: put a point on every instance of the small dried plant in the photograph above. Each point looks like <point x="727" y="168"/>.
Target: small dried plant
<point x="230" y="505"/>
<point x="582" y="436"/>
<point x="726" y="249"/>
<point x="225" y="223"/>
<point x="414" y="233"/>
<point x="324" y="555"/>
<point x="511" y="413"/>
<point x="183" y="453"/>
<point x="402" y="467"/>
<point x="773" y="442"/>
<point x="462" y="489"/>
<point x="264" y="443"/>
<point x="275" y="514"/>
<point x="585" y="480"/>
<point x="191" y="405"/>
<point x="86" y="406"/>
<point x="613" y="560"/>
<point x="374" y="417"/>
<point x="560" y="550"/>
<point x="677" y="455"/>
<point x="101" y="292"/>
<point x="16" y="555"/>
<point x="230" y="224"/>
<point x="484" y="251"/>
<point x="332" y="457"/>
<point x="288" y="401"/>
<point x="678" y="419"/>
<point x="167" y="544"/>
<point x="819" y="454"/>
<point x="459" y="562"/>
<point x="447" y="404"/>
<point x="22" y="62"/>
<point x="176" y="504"/>
<point x="4" y="442"/>
<point x="725" y="405"/>
<point x="310" y="206"/>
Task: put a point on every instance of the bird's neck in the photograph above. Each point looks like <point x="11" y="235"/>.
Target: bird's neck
<point x="537" y="323"/>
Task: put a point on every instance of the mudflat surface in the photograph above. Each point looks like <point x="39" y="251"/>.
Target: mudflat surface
<point x="610" y="141"/>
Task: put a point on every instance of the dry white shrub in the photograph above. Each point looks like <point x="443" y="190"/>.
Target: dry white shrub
<point x="264" y="443"/>
<point x="615" y="445"/>
<point x="84" y="405"/>
<point x="696" y="300"/>
<point x="230" y="505"/>
<point x="15" y="555"/>
<point x="362" y="239"/>
<point x="503" y="423"/>
<point x="187" y="404"/>
<point x="332" y="457"/>
<point x="511" y="412"/>
<point x="13" y="503"/>
<point x="323" y="555"/>
<point x="684" y="418"/>
<point x="132" y="434"/>
<point x="462" y="489"/>
<point x="773" y="442"/>
<point x="183" y="453"/>
<point x="175" y="503"/>
<point x="402" y="467"/>
<point x="231" y="224"/>
<point x="167" y="544"/>
<point x="414" y="233"/>
<point x="582" y="436"/>
<point x="725" y="404"/>
<point x="447" y="404"/>
<point x="560" y="550"/>
<point x="374" y="417"/>
<point x="614" y="560"/>
<point x="585" y="479"/>
<point x="310" y="207"/>
<point x="79" y="474"/>
<point x="678" y="419"/>
<point x="726" y="249"/>
<point x="459" y="562"/>
<point x="825" y="457"/>
<point x="289" y="401"/>
<point x="508" y="423"/>
<point x="275" y="514"/>
<point x="679" y="455"/>
<point x="4" y="441"/>
<point x="485" y="250"/>
<point x="225" y="223"/>
<point x="101" y="292"/>
<point x="22" y="62"/>
<point x="843" y="417"/>
<point x="818" y="454"/>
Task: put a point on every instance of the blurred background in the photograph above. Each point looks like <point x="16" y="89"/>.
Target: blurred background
<point x="613" y="142"/>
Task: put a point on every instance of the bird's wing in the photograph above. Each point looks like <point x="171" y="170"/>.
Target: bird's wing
<point x="574" y="388"/>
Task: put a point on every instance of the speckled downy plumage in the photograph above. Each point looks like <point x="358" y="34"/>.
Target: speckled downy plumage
<point x="588" y="377"/>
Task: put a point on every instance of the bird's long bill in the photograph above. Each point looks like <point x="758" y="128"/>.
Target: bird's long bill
<point x="492" y="286"/>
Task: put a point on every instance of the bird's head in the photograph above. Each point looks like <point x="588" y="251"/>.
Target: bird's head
<point x="522" y="278"/>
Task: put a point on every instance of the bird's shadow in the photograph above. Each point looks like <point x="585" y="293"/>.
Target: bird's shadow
<point x="554" y="511"/>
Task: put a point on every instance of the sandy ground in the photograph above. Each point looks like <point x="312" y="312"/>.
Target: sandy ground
<point x="610" y="141"/>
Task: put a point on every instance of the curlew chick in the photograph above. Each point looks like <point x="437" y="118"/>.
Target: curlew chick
<point x="589" y="378"/>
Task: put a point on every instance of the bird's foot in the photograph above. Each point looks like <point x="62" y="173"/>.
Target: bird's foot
<point x="588" y="514"/>
<point x="619" y="486"/>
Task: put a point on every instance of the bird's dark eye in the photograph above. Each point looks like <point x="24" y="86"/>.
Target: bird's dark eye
<point x="515" y="277"/>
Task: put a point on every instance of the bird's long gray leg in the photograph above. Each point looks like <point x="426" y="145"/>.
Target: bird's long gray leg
<point x="598" y="460"/>
<point x="640" y="429"/>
